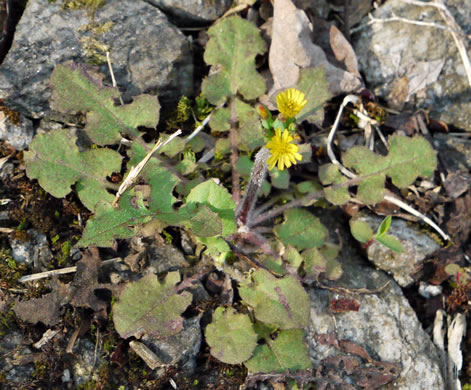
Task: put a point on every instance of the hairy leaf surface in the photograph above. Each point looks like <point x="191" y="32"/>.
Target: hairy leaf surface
<point x="231" y="50"/>
<point x="281" y="302"/>
<point x="231" y="336"/>
<point x="54" y="159"/>
<point x="287" y="352"/>
<point x="151" y="307"/>
<point x="301" y="229"/>
<point x="76" y="89"/>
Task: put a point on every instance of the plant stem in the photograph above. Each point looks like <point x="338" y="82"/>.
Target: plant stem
<point x="279" y="210"/>
<point x="259" y="170"/>
<point x="234" y="155"/>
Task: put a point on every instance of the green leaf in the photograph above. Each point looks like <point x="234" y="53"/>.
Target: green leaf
<point x="330" y="174"/>
<point x="250" y="132"/>
<point x="54" y="159"/>
<point x="293" y="257"/>
<point x="306" y="187"/>
<point x="205" y="222"/>
<point x="279" y="179"/>
<point x="301" y="229"/>
<point x="315" y="264"/>
<point x="408" y="159"/>
<point x="75" y="89"/>
<point x="231" y="336"/>
<point x="384" y="227"/>
<point x="287" y="352"/>
<point x="281" y="302"/>
<point x="218" y="199"/>
<point x="361" y="231"/>
<point x="220" y="120"/>
<point x="151" y="307"/>
<point x="231" y="49"/>
<point x="172" y="148"/>
<point x="391" y="242"/>
<point x="313" y="83"/>
<point x="110" y="224"/>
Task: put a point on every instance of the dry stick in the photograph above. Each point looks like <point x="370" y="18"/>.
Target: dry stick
<point x="135" y="171"/>
<point x="61" y="271"/>
<point x="199" y="128"/>
<point x="351" y="175"/>
<point x="234" y="156"/>
<point x="112" y="75"/>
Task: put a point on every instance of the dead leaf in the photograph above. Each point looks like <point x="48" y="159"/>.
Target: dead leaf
<point x="292" y="49"/>
<point x="46" y="309"/>
<point x="343" y="305"/>
<point x="343" y="51"/>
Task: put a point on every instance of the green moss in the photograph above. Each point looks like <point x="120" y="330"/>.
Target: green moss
<point x="81" y="4"/>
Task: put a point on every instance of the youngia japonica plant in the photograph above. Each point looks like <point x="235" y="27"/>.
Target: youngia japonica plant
<point x="266" y="332"/>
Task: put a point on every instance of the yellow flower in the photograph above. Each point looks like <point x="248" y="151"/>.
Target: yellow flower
<point x="290" y="102"/>
<point x="283" y="152"/>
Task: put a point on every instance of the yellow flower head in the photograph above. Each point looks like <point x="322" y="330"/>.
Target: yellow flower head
<point x="290" y="102"/>
<point x="283" y="152"/>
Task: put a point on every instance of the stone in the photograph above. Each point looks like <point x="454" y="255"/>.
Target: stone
<point x="419" y="65"/>
<point x="34" y="252"/>
<point x="19" y="135"/>
<point x="148" y="54"/>
<point x="186" y="12"/>
<point x="181" y="348"/>
<point x="417" y="247"/>
<point x="385" y="324"/>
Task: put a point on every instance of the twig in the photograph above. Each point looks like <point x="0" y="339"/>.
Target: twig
<point x="457" y="34"/>
<point x="135" y="171"/>
<point x="61" y="271"/>
<point x="199" y="128"/>
<point x="113" y="80"/>
<point x="355" y="291"/>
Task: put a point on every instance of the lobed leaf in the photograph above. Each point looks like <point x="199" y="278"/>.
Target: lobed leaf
<point x="55" y="160"/>
<point x="287" y="352"/>
<point x="76" y="89"/>
<point x="231" y="49"/>
<point x="281" y="302"/>
<point x="231" y="336"/>
<point x="151" y="307"/>
<point x="408" y="158"/>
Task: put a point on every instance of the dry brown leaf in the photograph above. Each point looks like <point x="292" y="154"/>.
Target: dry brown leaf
<point x="343" y="51"/>
<point x="292" y="49"/>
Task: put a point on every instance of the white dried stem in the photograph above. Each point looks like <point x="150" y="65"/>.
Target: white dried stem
<point x="61" y="271"/>
<point x="135" y="171"/>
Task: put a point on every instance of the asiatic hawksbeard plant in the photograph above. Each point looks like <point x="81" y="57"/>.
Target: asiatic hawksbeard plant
<point x="266" y="332"/>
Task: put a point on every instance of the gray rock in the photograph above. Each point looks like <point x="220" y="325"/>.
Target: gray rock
<point x="191" y="11"/>
<point x="417" y="247"/>
<point x="12" y="349"/>
<point x="387" y="327"/>
<point x="85" y="362"/>
<point x="34" y="252"/>
<point x="385" y="324"/>
<point x="17" y="135"/>
<point x="181" y="348"/>
<point x="420" y="65"/>
<point x="165" y="258"/>
<point x="148" y="54"/>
